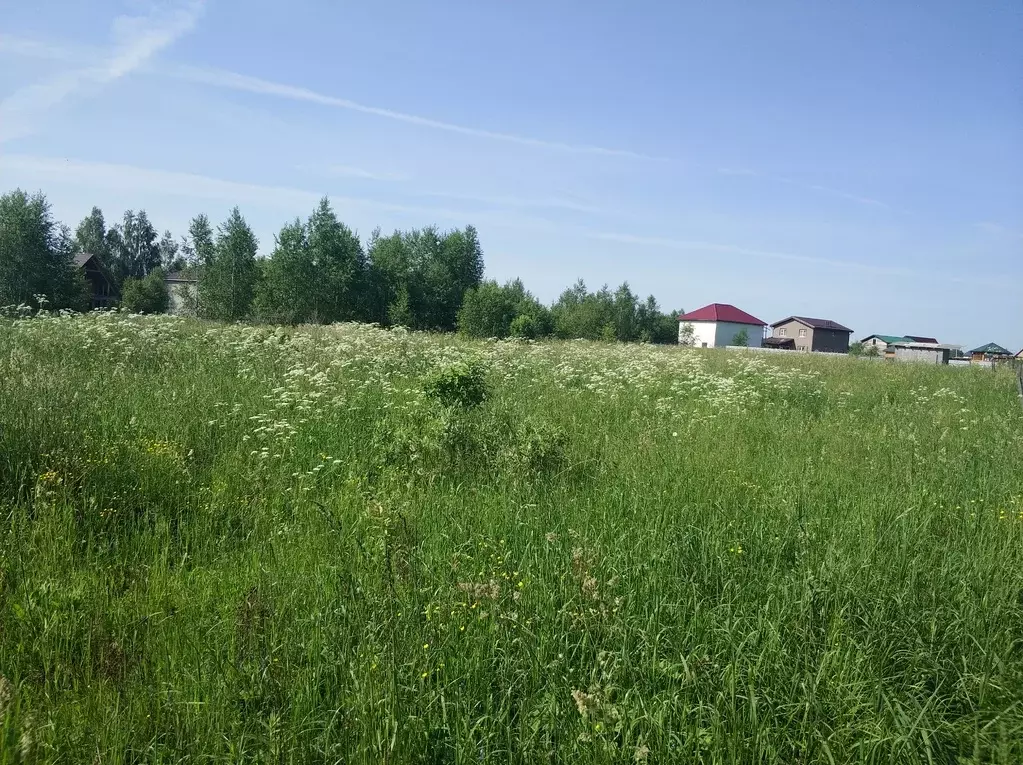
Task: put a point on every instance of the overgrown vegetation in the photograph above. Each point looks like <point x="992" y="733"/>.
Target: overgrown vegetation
<point x="146" y="295"/>
<point x="224" y="543"/>
<point x="317" y="273"/>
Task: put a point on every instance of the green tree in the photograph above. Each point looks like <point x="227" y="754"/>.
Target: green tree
<point x="856" y="348"/>
<point x="387" y="273"/>
<point x="172" y="258"/>
<point x="340" y="264"/>
<point x="524" y="326"/>
<point x="579" y="313"/>
<point x="653" y="325"/>
<point x="461" y="257"/>
<point x="490" y="310"/>
<point x="36" y="255"/>
<point x="201" y="245"/>
<point x="399" y="312"/>
<point x="535" y="317"/>
<point x="146" y="295"/>
<point x="287" y="290"/>
<point x="228" y="282"/>
<point x="626" y="314"/>
<point x="91" y="236"/>
<point x="741" y="338"/>
<point x="487" y="311"/>
<point x="419" y="278"/>
<point x="686" y="334"/>
<point x="134" y="250"/>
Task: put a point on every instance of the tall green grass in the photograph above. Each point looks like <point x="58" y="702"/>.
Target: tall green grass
<point x="233" y="544"/>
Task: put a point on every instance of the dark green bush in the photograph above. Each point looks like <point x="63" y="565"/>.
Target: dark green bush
<point x="463" y="384"/>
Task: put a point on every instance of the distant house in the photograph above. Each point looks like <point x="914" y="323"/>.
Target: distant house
<point x="182" y="289"/>
<point x="101" y="287"/>
<point x="822" y="335"/>
<point x="881" y="342"/>
<point x="719" y="324"/>
<point x="930" y="353"/>
<point x="990" y="352"/>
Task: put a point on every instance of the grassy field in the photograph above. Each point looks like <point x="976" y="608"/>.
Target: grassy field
<point x="238" y="544"/>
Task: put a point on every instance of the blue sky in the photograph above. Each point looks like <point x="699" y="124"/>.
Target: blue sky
<point x="855" y="161"/>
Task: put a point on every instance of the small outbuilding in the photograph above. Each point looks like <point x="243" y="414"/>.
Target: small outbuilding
<point x="780" y="343"/>
<point x="928" y="353"/>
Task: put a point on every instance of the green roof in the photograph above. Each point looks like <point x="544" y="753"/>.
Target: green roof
<point x="994" y="348"/>
<point x="891" y="338"/>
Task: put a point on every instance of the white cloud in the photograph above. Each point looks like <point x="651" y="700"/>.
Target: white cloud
<point x="557" y="203"/>
<point x="698" y="246"/>
<point x="147" y="181"/>
<point x="838" y="193"/>
<point x="21" y="46"/>
<point x="234" y="81"/>
<point x="737" y="171"/>
<point x="348" y="171"/>
<point x="136" y="40"/>
<point x="554" y="203"/>
<point x="743" y="172"/>
<point x="997" y="229"/>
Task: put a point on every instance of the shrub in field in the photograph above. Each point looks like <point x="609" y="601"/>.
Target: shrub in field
<point x="448" y="441"/>
<point x="539" y="448"/>
<point x="463" y="384"/>
<point x="526" y="326"/>
<point x="147" y="295"/>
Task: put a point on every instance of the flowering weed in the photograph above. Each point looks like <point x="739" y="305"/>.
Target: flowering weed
<point x="345" y="544"/>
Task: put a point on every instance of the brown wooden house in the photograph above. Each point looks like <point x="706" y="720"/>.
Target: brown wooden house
<point x="101" y="287"/>
<point x="990" y="352"/>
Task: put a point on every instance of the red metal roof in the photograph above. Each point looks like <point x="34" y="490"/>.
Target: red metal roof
<point x="722" y="312"/>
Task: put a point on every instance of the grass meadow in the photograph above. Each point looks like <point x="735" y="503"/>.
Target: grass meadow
<point x="344" y="545"/>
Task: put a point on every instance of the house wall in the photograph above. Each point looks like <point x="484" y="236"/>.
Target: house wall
<point x="830" y="341"/>
<point x="703" y="332"/>
<point x="726" y="331"/>
<point x="792" y="329"/>
<point x="177" y="291"/>
<point x="877" y="342"/>
<point x="718" y="334"/>
<point x="925" y="355"/>
<point x="100" y="292"/>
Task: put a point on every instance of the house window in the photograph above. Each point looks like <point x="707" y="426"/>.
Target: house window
<point x="703" y="345"/>
<point x="782" y="332"/>
<point x="802" y="333"/>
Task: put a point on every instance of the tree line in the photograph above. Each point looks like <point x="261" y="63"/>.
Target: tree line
<point x="319" y="271"/>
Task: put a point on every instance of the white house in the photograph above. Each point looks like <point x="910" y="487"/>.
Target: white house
<point x="720" y="324"/>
